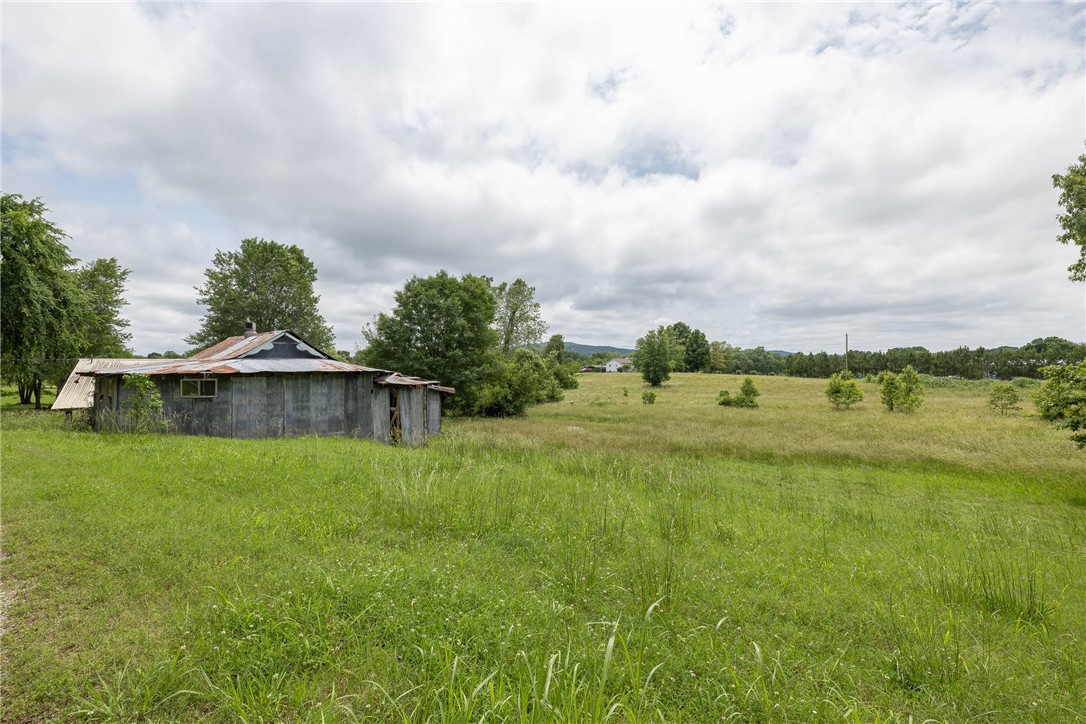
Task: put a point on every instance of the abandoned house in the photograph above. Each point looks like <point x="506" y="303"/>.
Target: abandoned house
<point x="270" y="384"/>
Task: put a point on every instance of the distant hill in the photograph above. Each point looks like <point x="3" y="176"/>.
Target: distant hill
<point x="588" y="349"/>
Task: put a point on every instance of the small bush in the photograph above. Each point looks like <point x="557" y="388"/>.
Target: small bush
<point x="889" y="391"/>
<point x="1004" y="398"/>
<point x="843" y="391"/>
<point x="746" y="397"/>
<point x="648" y="397"/>
<point x="903" y="392"/>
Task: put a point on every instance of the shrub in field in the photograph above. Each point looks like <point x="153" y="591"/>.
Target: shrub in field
<point x="843" y="391"/>
<point x="903" y="392"/>
<point x="888" y="390"/>
<point x="526" y="379"/>
<point x="1061" y="398"/>
<point x="1004" y="398"/>
<point x="648" y="397"/>
<point x="746" y="397"/>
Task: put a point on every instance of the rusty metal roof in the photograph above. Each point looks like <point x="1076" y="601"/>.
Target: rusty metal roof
<point x="231" y="357"/>
<point x="395" y="378"/>
<point x="238" y="367"/>
<point x="78" y="391"/>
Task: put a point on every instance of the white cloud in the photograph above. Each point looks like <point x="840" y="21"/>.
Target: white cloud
<point x="775" y="174"/>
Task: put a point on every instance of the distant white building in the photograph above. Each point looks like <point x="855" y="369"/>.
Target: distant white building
<point x="617" y="364"/>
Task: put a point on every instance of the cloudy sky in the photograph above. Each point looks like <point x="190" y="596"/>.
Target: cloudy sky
<point x="774" y="174"/>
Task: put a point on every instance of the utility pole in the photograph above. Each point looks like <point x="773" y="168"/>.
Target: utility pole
<point x="846" y="353"/>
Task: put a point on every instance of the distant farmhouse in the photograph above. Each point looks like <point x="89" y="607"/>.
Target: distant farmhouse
<point x="271" y="384"/>
<point x="618" y="364"/>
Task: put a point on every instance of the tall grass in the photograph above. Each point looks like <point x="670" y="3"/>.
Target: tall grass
<point x="598" y="560"/>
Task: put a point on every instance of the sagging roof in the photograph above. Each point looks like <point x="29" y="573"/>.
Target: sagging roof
<point x="78" y="391"/>
<point x="395" y="378"/>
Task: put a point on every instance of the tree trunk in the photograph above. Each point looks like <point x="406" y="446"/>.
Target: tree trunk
<point x="36" y="386"/>
<point x="24" y="393"/>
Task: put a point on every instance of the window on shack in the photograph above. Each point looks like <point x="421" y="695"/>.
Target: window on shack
<point x="199" y="387"/>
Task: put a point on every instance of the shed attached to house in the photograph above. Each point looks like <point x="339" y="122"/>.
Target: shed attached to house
<point x="78" y="391"/>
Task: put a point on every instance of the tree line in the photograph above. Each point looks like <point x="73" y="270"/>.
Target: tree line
<point x="999" y="362"/>
<point x="678" y="348"/>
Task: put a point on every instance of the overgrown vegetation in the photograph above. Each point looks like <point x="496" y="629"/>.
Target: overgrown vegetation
<point x="673" y="562"/>
<point x="143" y="406"/>
<point x="472" y="336"/>
<point x="1062" y="399"/>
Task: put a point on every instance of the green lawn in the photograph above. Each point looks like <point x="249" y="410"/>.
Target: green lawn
<point x="597" y="558"/>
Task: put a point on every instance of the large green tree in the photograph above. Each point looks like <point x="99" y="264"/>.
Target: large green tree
<point x="103" y="285"/>
<point x="679" y="332"/>
<point x="556" y="349"/>
<point x="653" y="356"/>
<point x="697" y="355"/>
<point x="43" y="308"/>
<point x="440" y="329"/>
<point x="265" y="282"/>
<point x="1062" y="397"/>
<point x="1072" y="186"/>
<point x="517" y="317"/>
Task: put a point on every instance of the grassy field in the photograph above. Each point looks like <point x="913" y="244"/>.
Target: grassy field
<point x="599" y="558"/>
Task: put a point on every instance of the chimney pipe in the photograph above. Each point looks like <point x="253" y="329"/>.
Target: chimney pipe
<point x="250" y="329"/>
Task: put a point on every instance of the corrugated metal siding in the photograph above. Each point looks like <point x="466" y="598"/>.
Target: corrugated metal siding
<point x="249" y="403"/>
<point x="380" y="414"/>
<point x="412" y="415"/>
<point x="433" y="412"/>
<point x="274" y="405"/>
<point x="364" y="397"/>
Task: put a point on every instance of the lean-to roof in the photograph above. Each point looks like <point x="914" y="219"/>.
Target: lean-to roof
<point x="78" y="391"/>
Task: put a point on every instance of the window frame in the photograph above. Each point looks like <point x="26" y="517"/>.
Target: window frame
<point x="200" y="387"/>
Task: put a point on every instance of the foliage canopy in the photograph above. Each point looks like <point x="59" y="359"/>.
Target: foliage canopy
<point x="1072" y="186"/>
<point x="653" y="356"/>
<point x="1061" y="398"/>
<point x="444" y="328"/>
<point x="440" y="329"/>
<point x="103" y="285"/>
<point x="265" y="282"/>
<point x="517" y="317"/>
